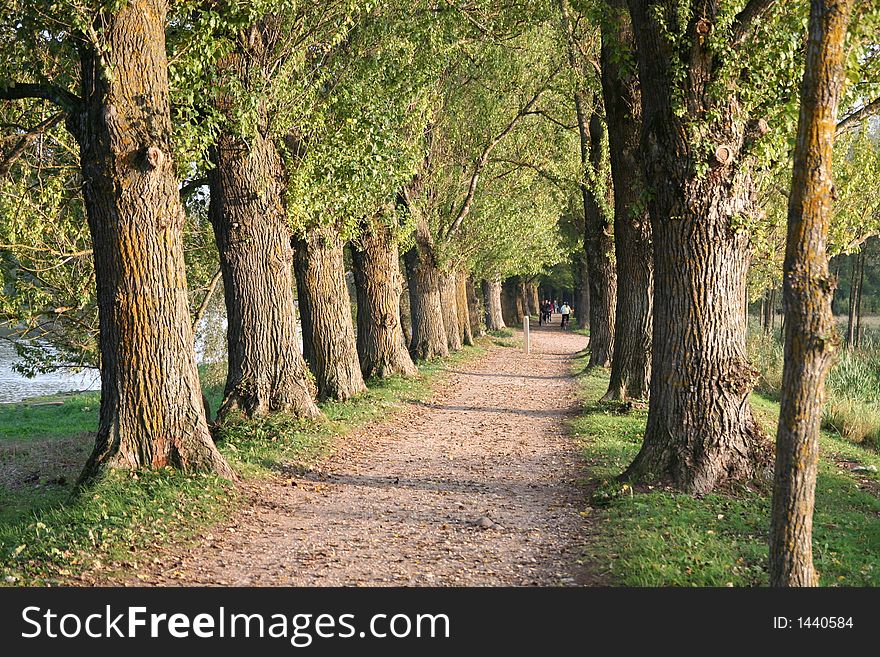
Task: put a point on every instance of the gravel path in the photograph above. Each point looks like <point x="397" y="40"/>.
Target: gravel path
<point x="478" y="486"/>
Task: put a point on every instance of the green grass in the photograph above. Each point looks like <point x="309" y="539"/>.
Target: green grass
<point x="49" y="535"/>
<point x="657" y="537"/>
<point x="38" y="418"/>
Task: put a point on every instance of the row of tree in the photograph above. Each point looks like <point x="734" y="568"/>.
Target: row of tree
<point x="645" y="140"/>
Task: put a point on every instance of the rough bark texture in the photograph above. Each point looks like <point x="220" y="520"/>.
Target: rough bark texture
<point x="532" y="299"/>
<point x="700" y="429"/>
<point x="461" y="304"/>
<point x="426" y="311"/>
<point x="151" y="400"/>
<point x="631" y="365"/>
<point x="475" y="308"/>
<point x="327" y="330"/>
<point x="449" y="302"/>
<point x="810" y="334"/>
<point x="376" y="265"/>
<point x="266" y="372"/>
<point x="492" y="296"/>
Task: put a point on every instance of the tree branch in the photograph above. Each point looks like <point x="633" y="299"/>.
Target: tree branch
<point x="189" y="188"/>
<point x="26" y="140"/>
<point x="64" y="99"/>
<point x="751" y="13"/>
<point x="855" y="118"/>
<point x="206" y="300"/>
<point x="481" y="161"/>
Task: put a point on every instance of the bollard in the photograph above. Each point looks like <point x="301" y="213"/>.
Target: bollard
<point x="526" y="345"/>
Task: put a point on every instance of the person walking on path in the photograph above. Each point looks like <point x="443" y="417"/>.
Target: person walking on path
<point x="566" y="313"/>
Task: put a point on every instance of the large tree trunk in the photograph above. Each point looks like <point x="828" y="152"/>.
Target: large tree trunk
<point x="494" y="313"/>
<point x="475" y="308"/>
<point x="151" y="400"/>
<point x="327" y="330"/>
<point x="449" y="301"/>
<point x="631" y="365"/>
<point x="461" y="304"/>
<point x="380" y="342"/>
<point x="428" y="335"/>
<point x="700" y="429"/>
<point x="266" y="372"/>
<point x="810" y="334"/>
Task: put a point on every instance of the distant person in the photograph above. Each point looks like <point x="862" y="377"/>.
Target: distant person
<point x="566" y="313"/>
<point x="546" y="311"/>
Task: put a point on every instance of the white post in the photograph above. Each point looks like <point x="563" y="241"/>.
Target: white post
<point x="526" y="345"/>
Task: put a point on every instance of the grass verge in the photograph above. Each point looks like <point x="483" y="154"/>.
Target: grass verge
<point x="657" y="537"/>
<point x="50" y="535"/>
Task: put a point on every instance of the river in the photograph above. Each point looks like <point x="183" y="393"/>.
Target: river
<point x="14" y="387"/>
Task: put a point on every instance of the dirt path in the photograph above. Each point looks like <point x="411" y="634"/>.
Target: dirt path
<point x="400" y="502"/>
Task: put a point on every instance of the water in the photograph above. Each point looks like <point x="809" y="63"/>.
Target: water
<point x="14" y="387"/>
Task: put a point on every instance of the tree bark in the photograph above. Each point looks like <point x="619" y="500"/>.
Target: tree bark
<point x="327" y="330"/>
<point x="631" y="364"/>
<point x="266" y="372"/>
<point x="376" y="266"/>
<point x="449" y="302"/>
<point x="151" y="400"/>
<point x="700" y="429"/>
<point x="599" y="247"/>
<point x="475" y="308"/>
<point x="426" y="311"/>
<point x="461" y="304"/>
<point x="582" y="290"/>
<point x="492" y="295"/>
<point x="810" y="336"/>
<point x="405" y="316"/>
<point x="511" y="301"/>
<point x="532" y="298"/>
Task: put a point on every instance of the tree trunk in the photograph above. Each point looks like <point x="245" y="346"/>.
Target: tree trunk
<point x="700" y="429"/>
<point x="492" y="292"/>
<point x="376" y="265"/>
<point x="598" y="237"/>
<point x="599" y="247"/>
<point x="449" y="302"/>
<point x="405" y="316"/>
<point x="266" y="372"/>
<point x="151" y="400"/>
<point x="461" y="304"/>
<point x="853" y="294"/>
<point x="475" y="308"/>
<point x="582" y="290"/>
<point x="511" y="301"/>
<point x="426" y="311"/>
<point x="631" y="364"/>
<point x="327" y="330"/>
<point x="858" y="340"/>
<point x="534" y="304"/>
<point x="808" y="288"/>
